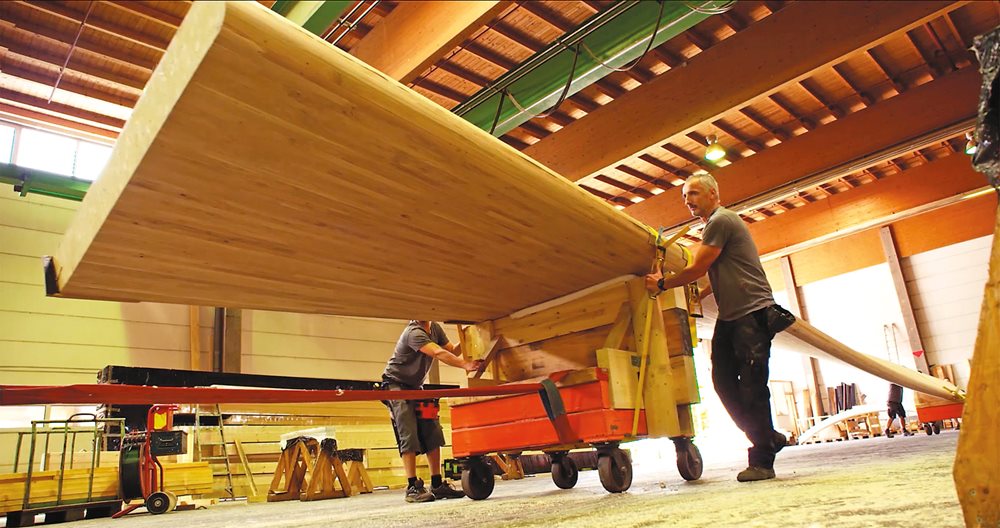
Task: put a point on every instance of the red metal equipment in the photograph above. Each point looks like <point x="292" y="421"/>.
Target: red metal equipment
<point x="140" y="474"/>
<point x="570" y="417"/>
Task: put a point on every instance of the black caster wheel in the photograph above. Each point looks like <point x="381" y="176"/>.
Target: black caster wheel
<point x="615" y="470"/>
<point x="936" y="427"/>
<point x="160" y="502"/>
<point x="928" y="429"/>
<point x="689" y="461"/>
<point x="477" y="479"/>
<point x="564" y="471"/>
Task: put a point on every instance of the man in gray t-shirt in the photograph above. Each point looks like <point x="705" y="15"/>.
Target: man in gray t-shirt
<point x="741" y="345"/>
<point x="415" y="422"/>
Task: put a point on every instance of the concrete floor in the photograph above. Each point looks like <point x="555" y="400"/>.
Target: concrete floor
<point x="903" y="481"/>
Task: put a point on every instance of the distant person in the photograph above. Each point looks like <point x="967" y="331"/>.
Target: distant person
<point x="895" y="409"/>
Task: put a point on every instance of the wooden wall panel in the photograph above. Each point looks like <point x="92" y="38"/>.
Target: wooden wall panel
<point x="963" y="221"/>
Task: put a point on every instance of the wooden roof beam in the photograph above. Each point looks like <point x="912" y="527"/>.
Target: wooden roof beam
<point x="636" y="173"/>
<point x="928" y="59"/>
<point x="490" y="56"/>
<point x="71" y="85"/>
<point x="149" y="13"/>
<point x="547" y="15"/>
<point x="35" y="53"/>
<point x="518" y="37"/>
<point x="932" y="106"/>
<point x="841" y="72"/>
<point x="928" y="183"/>
<point x="463" y="73"/>
<point x="60" y="110"/>
<point x="69" y="125"/>
<point x="886" y="72"/>
<point x="679" y="175"/>
<point x="785" y="105"/>
<point x="648" y="115"/>
<point x="416" y="34"/>
<point x="768" y="127"/>
<point x="85" y="44"/>
<point x="638" y="191"/>
<point x="810" y="88"/>
<point x="106" y="27"/>
<point x="752" y="144"/>
<point x="685" y="155"/>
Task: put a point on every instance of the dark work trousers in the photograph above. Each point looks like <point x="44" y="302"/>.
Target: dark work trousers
<point x="740" y="353"/>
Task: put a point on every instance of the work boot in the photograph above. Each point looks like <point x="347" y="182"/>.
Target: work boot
<point x="780" y="441"/>
<point x="445" y="491"/>
<point x="753" y="473"/>
<point x="418" y="493"/>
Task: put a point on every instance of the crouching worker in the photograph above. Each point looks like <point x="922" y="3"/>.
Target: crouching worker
<point x="418" y="430"/>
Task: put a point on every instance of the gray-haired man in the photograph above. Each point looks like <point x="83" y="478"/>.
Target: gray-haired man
<point x="741" y="346"/>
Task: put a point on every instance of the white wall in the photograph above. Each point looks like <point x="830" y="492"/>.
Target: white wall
<point x="857" y="308"/>
<point x="946" y="290"/>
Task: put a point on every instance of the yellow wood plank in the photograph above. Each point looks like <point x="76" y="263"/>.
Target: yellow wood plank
<point x="977" y="463"/>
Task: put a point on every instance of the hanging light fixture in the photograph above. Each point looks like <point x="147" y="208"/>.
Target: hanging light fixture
<point x="715" y="151"/>
<point x="971" y="145"/>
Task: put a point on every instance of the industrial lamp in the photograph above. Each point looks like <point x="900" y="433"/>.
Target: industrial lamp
<point x="971" y="145"/>
<point x="715" y="151"/>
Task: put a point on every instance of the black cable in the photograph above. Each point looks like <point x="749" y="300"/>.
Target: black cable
<point x="562" y="96"/>
<point x="496" y="118"/>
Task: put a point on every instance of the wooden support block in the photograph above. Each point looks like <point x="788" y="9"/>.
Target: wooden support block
<point x="327" y="470"/>
<point x="658" y="387"/>
<point x="358" y="477"/>
<point x="510" y="465"/>
<point x="623" y="376"/>
<point x="290" y="475"/>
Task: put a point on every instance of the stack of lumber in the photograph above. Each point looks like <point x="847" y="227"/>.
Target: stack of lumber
<point x="181" y="479"/>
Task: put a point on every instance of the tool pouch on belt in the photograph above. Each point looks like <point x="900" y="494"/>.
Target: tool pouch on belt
<point x="778" y="319"/>
<point x="427" y="409"/>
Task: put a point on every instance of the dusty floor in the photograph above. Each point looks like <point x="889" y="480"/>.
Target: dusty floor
<point x="903" y="481"/>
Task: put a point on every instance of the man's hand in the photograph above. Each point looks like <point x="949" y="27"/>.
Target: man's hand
<point x="473" y="366"/>
<point x="651" y="282"/>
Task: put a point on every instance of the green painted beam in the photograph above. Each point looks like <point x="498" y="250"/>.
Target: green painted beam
<point x="313" y="15"/>
<point x="616" y="37"/>
<point x="36" y="181"/>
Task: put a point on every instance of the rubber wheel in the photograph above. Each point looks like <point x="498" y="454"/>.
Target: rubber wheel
<point x="689" y="461"/>
<point x="477" y="479"/>
<point x="564" y="472"/>
<point x="615" y="470"/>
<point x="928" y="429"/>
<point x="158" y="502"/>
<point x="936" y="426"/>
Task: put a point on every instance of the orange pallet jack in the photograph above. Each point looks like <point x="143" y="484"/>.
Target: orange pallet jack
<point x="140" y="474"/>
<point x="627" y="373"/>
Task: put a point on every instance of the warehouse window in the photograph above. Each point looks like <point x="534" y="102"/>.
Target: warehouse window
<point x="6" y="143"/>
<point x="53" y="152"/>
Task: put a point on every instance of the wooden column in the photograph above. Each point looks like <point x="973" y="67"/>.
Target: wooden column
<point x="194" y="324"/>
<point x="977" y="463"/>
<point x="232" y="350"/>
<point x="810" y="365"/>
<point x="912" y="332"/>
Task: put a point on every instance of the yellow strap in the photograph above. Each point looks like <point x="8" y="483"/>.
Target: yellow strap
<point x="642" y="365"/>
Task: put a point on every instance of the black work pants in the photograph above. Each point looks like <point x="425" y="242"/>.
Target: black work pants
<point x="740" y="352"/>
